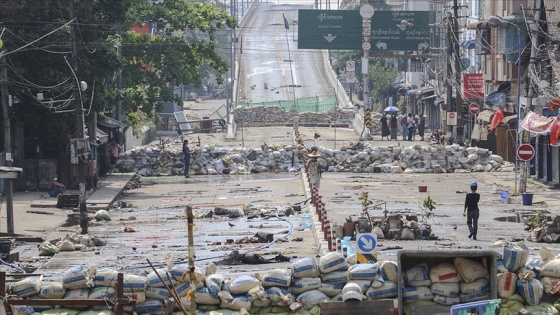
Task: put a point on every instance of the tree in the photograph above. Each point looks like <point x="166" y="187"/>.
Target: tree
<point x="38" y="41"/>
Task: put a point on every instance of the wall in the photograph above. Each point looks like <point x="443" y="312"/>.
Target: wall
<point x="276" y="115"/>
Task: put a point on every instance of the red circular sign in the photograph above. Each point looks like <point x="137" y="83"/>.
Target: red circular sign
<point x="525" y="152"/>
<point x="473" y="108"/>
<point x="451" y="115"/>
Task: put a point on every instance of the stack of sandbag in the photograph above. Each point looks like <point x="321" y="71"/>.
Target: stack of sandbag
<point x="417" y="284"/>
<point x="305" y="273"/>
<point x="445" y="284"/>
<point x="333" y="269"/>
<point x="234" y="294"/>
<point x="474" y="285"/>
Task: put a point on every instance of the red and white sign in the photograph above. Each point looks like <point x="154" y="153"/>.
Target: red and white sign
<point x="525" y="152"/>
<point x="350" y="66"/>
<point x="473" y="108"/>
<point x="473" y="86"/>
<point x="451" y="118"/>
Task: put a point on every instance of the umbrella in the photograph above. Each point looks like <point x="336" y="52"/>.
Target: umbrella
<point x="391" y="109"/>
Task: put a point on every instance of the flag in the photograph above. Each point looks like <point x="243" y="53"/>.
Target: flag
<point x="286" y="24"/>
<point x="555" y="131"/>
<point x="497" y="119"/>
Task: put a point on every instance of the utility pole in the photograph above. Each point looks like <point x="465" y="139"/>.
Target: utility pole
<point x="7" y="137"/>
<point x="450" y="76"/>
<point x="366" y="12"/>
<point x="80" y="141"/>
<point x="457" y="78"/>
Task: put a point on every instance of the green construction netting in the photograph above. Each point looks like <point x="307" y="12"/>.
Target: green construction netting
<point x="310" y="104"/>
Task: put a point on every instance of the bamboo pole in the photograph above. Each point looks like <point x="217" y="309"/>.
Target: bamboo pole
<point x="190" y="227"/>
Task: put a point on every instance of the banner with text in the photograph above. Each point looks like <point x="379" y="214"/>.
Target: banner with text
<point x="473" y="86"/>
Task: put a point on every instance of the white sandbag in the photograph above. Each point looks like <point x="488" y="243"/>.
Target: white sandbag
<point x="61" y="311"/>
<point x="101" y="293"/>
<point x="389" y="270"/>
<point x="80" y="294"/>
<point x="411" y="294"/>
<point x="242" y="284"/>
<point x="531" y="291"/>
<point x="181" y="273"/>
<point x="106" y="277"/>
<point x="337" y="298"/>
<point x="234" y="302"/>
<point x="184" y="288"/>
<point x="546" y="254"/>
<point x="300" y="285"/>
<point x="446" y="300"/>
<point x="103" y="311"/>
<point x="407" y="234"/>
<point x="444" y="273"/>
<point x="280" y="296"/>
<point x="472" y="297"/>
<point x="154" y="281"/>
<point x="150" y="305"/>
<point x="352" y="259"/>
<point x="363" y="271"/>
<point x="418" y="276"/>
<point x="78" y="277"/>
<point x="304" y="267"/>
<point x="203" y="296"/>
<point x="214" y="283"/>
<point x="331" y="262"/>
<point x="312" y="298"/>
<point x="506" y="284"/>
<point x="52" y="290"/>
<point x="276" y="278"/>
<point x="134" y="283"/>
<point x="551" y="269"/>
<point x="515" y="255"/>
<point x="331" y="290"/>
<point x="335" y="277"/>
<point x="138" y="296"/>
<point x="378" y="281"/>
<point x="476" y="286"/>
<point x="364" y="284"/>
<point x="22" y="310"/>
<point x="470" y="270"/>
<point x="185" y="303"/>
<point x="158" y="293"/>
<point x="500" y="267"/>
<point x="27" y="287"/>
<point x="258" y="297"/>
<point x="379" y="232"/>
<point x="550" y="285"/>
<point x="387" y="291"/>
<point x="449" y="289"/>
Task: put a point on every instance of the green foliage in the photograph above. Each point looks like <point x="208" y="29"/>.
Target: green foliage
<point x="429" y="205"/>
<point x="538" y="220"/>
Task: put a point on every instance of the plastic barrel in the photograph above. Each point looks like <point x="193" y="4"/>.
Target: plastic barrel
<point x="504" y="195"/>
<point x="5" y="247"/>
<point x="527" y="199"/>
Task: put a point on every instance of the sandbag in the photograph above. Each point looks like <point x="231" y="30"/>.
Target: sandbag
<point x="387" y="291"/>
<point x="300" y="285"/>
<point x="407" y="234"/>
<point x="512" y="305"/>
<point x="480" y="285"/>
<point x="78" y="277"/>
<point x="418" y="276"/>
<point x="444" y="273"/>
<point x="470" y="270"/>
<point x="280" y="296"/>
<point x="506" y="284"/>
<point x="154" y="281"/>
<point x="150" y="305"/>
<point x="444" y="289"/>
<point x="60" y="311"/>
<point x="379" y="232"/>
<point x="234" y="302"/>
<point x="363" y="271"/>
<point x="203" y="296"/>
<point x="551" y="285"/>
<point x="515" y="255"/>
<point x="106" y="277"/>
<point x="472" y="297"/>
<point x="335" y="277"/>
<point x="158" y="293"/>
<point x="411" y="294"/>
<point x="134" y="283"/>
<point x="181" y="273"/>
<point x="531" y="291"/>
<point x="52" y="290"/>
<point x="27" y="287"/>
<point x="332" y="261"/>
<point x="311" y="298"/>
<point x="242" y="284"/>
<point x="304" y="267"/>
<point x="364" y="284"/>
<point x="446" y="300"/>
<point x="258" y="298"/>
<point x="80" y="294"/>
<point x="542" y="308"/>
<point x="331" y="290"/>
<point x="551" y="269"/>
<point x="22" y="310"/>
<point x="407" y="309"/>
<point x="138" y="296"/>
<point x="101" y="293"/>
<point x="276" y="278"/>
<point x="389" y="270"/>
<point x="214" y="283"/>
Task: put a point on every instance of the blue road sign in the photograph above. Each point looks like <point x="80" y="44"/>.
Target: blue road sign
<point x="366" y="243"/>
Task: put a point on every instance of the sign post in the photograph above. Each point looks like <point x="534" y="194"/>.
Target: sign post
<point x="366" y="247"/>
<point x="473" y="108"/>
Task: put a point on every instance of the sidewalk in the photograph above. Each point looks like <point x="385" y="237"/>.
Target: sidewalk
<point x="36" y="215"/>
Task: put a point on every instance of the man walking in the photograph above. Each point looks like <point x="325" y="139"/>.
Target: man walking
<point x="472" y="211"/>
<point x="186" y="157"/>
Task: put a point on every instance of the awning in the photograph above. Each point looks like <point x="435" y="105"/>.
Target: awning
<point x="469" y="43"/>
<point x="111" y="123"/>
<point x="419" y="92"/>
<point x="478" y="25"/>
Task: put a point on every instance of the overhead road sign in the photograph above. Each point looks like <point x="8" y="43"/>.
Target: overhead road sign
<point x="400" y="30"/>
<point x="329" y="29"/>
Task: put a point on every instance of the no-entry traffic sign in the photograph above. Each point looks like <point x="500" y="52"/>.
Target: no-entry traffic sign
<point x="473" y="108"/>
<point x="525" y="152"/>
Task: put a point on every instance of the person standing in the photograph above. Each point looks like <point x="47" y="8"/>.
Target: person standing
<point x="410" y="122"/>
<point x="471" y="210"/>
<point x="114" y="151"/>
<point x="422" y="126"/>
<point x="384" y="127"/>
<point x="55" y="188"/>
<point x="313" y="168"/>
<point x="394" y="126"/>
<point x="404" y="125"/>
<point x="186" y="157"/>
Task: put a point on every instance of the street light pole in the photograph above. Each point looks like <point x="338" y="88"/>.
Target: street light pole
<point x="366" y="12"/>
<point x="81" y="142"/>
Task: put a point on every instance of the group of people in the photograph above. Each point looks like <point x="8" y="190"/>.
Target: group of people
<point x="410" y="124"/>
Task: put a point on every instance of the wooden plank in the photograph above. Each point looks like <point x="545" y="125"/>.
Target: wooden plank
<point x="68" y="201"/>
<point x="381" y="307"/>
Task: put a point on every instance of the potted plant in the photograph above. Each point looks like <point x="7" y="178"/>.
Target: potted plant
<point x="428" y="206"/>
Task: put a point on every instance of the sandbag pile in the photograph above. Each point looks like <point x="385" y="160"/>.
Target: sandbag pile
<point x="356" y="158"/>
<point x="270" y="115"/>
